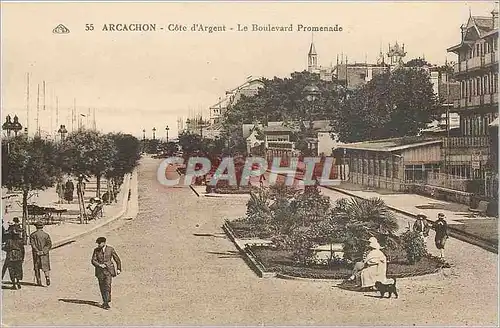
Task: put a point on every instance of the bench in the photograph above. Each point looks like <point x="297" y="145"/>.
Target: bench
<point x="481" y="208"/>
<point x="46" y="214"/>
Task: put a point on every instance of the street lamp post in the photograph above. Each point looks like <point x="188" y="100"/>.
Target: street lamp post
<point x="62" y="131"/>
<point x="8" y="125"/>
<point x="167" y="129"/>
<point x="312" y="93"/>
<point x="16" y="126"/>
<point x="154" y="135"/>
<point x="143" y="134"/>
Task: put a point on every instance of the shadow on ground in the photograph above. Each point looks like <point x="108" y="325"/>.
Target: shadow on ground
<point x="22" y="284"/>
<point x="227" y="254"/>
<point x="82" y="302"/>
<point x="215" y="235"/>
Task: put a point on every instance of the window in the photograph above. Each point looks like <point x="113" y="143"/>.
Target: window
<point x="362" y="76"/>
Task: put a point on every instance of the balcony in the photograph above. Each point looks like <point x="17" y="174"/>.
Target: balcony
<point x="474" y="62"/>
<point x="466" y="142"/>
<point x="491" y="58"/>
<point x="475" y="101"/>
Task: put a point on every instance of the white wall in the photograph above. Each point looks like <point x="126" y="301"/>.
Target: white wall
<point x="326" y="143"/>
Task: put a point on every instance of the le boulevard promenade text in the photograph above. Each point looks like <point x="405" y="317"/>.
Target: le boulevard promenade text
<point x="253" y="167"/>
<point x="211" y="28"/>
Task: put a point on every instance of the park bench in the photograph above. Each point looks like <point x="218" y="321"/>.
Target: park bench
<point x="44" y="214"/>
<point x="482" y="208"/>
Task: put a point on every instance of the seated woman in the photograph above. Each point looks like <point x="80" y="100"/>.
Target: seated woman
<point x="375" y="265"/>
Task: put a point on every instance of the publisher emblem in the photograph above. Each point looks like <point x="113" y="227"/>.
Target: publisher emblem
<point x="60" y="29"/>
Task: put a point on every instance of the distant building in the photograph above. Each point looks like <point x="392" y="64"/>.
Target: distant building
<point x="477" y="72"/>
<point x="249" y="88"/>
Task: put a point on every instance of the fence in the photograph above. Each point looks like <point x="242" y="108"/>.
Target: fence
<point x="447" y="181"/>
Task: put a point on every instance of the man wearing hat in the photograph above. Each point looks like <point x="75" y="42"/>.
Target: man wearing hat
<point x="13" y="231"/>
<point x="421" y="226"/>
<point x="441" y="228"/>
<point x="40" y="245"/>
<point x="102" y="260"/>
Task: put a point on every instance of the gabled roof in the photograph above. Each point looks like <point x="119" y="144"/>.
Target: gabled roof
<point x="481" y="24"/>
<point x="277" y="128"/>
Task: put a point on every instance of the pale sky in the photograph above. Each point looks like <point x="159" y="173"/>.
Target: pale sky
<point x="139" y="80"/>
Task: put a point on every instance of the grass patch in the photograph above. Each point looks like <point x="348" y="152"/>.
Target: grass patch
<point x="484" y="228"/>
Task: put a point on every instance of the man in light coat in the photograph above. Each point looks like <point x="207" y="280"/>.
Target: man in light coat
<point x="40" y="245"/>
<point x="102" y="260"/>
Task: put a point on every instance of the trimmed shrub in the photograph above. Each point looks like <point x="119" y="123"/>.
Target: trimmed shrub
<point x="414" y="246"/>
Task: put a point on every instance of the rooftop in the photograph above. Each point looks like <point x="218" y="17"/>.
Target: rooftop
<point x="393" y="144"/>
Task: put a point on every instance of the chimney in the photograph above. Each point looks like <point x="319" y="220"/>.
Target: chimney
<point x="494" y="15"/>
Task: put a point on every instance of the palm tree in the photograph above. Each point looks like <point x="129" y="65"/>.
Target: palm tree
<point x="359" y="219"/>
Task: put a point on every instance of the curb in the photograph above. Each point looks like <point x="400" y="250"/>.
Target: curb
<point x="288" y="277"/>
<point x="455" y="233"/>
<point x="194" y="190"/>
<point x="256" y="266"/>
<point x="125" y="190"/>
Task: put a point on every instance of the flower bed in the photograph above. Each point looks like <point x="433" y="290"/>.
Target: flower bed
<point x="244" y="230"/>
<point x="281" y="262"/>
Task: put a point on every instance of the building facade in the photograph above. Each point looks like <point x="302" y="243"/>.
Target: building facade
<point x="391" y="163"/>
<point x="477" y="72"/>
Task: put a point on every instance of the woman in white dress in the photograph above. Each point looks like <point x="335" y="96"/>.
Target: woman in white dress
<point x="375" y="265"/>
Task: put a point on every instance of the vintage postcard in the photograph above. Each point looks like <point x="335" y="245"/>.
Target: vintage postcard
<point x="249" y="163"/>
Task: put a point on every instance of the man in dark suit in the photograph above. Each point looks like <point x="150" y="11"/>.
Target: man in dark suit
<point x="105" y="268"/>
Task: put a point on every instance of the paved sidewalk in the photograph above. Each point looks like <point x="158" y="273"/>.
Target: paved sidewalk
<point x="70" y="228"/>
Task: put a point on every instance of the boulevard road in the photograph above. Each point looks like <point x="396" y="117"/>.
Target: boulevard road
<point x="179" y="268"/>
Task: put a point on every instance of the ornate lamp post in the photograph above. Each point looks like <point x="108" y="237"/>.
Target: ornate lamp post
<point x="154" y="135"/>
<point x="8" y="125"/>
<point x="167" y="129"/>
<point x="16" y="126"/>
<point x="62" y="131"/>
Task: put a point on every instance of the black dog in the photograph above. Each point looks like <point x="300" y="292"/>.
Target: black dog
<point x="387" y="288"/>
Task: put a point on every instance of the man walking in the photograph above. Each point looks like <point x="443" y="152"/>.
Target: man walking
<point x="441" y="228"/>
<point x="105" y="268"/>
<point x="40" y="245"/>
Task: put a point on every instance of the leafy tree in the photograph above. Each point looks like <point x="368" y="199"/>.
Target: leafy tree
<point x="126" y="159"/>
<point x="283" y="100"/>
<point x="90" y="153"/>
<point x="27" y="165"/>
<point x="391" y="105"/>
<point x="151" y="146"/>
<point x="417" y="62"/>
<point x="191" y="142"/>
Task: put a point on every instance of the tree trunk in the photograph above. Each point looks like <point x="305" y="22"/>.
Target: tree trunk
<point x="98" y="192"/>
<point x="109" y="190"/>
<point x="25" y="217"/>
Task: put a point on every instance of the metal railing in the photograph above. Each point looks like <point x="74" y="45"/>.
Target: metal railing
<point x="466" y="142"/>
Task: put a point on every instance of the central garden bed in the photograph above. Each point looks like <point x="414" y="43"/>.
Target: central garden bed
<point x="297" y="222"/>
